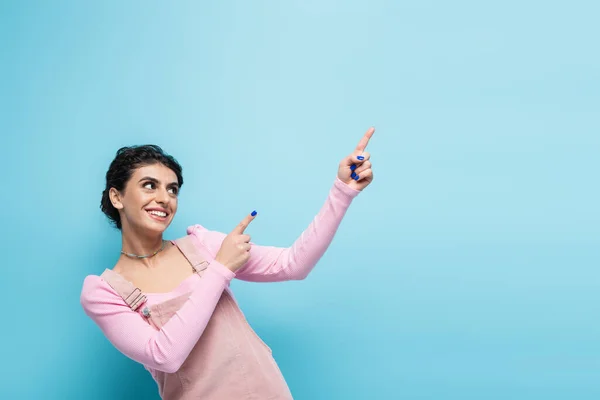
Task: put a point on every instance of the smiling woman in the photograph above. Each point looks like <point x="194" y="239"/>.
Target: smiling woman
<point x="141" y="169"/>
<point x="168" y="305"/>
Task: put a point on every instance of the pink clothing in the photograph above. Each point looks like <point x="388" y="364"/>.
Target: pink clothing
<point x="228" y="362"/>
<point x="165" y="347"/>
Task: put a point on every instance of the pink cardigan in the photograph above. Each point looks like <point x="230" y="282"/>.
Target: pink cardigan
<point x="166" y="349"/>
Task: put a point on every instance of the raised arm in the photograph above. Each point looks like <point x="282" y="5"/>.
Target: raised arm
<point x="271" y="264"/>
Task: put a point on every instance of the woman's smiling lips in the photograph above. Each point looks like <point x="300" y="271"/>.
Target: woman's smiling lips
<point x="156" y="213"/>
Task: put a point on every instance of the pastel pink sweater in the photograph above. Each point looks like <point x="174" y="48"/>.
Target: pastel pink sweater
<point x="166" y="349"/>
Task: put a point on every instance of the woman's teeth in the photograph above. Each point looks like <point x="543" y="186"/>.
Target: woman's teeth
<point x="158" y="213"/>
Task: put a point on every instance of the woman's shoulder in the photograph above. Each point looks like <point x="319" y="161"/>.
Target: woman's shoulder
<point x="96" y="292"/>
<point x="201" y="230"/>
<point x="93" y="283"/>
<point x="211" y="239"/>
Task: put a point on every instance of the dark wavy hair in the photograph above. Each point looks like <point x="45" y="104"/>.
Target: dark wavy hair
<point x="121" y="169"/>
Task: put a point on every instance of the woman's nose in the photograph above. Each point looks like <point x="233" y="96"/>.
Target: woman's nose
<point x="162" y="196"/>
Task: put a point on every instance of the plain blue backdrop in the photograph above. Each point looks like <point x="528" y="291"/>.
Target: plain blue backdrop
<point x="467" y="270"/>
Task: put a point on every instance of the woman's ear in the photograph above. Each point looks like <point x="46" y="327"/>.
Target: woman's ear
<point x="115" y="198"/>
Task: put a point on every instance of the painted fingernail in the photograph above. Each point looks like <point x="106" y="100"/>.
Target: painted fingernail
<point x="253" y="213"/>
<point x="353" y="175"/>
<point x="356" y="177"/>
<point x="352" y="167"/>
<point x="360" y="157"/>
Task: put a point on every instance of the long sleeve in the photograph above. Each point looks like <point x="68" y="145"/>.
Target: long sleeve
<point x="272" y="264"/>
<point x="165" y="349"/>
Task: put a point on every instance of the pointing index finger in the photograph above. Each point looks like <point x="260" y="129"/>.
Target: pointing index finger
<point x="239" y="229"/>
<point x="362" y="145"/>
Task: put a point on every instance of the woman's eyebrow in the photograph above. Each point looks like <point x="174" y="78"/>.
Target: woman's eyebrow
<point x="151" y="179"/>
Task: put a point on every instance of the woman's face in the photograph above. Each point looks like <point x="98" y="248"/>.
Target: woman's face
<point x="149" y="200"/>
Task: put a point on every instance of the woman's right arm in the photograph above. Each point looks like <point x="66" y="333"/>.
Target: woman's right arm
<point x="165" y="349"/>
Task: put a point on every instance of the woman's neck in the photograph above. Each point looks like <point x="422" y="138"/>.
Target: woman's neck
<point x="140" y="244"/>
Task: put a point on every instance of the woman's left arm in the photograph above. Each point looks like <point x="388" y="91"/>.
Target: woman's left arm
<point x="273" y="264"/>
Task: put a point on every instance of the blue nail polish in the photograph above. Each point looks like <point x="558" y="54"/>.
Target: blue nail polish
<point x="253" y="213"/>
<point x="360" y="158"/>
<point x="352" y="167"/>
<point x="356" y="177"/>
<point x="352" y="175"/>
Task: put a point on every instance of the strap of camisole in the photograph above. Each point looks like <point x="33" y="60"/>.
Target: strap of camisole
<point x="192" y="253"/>
<point x="132" y="295"/>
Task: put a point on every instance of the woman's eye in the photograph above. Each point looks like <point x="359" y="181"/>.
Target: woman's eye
<point x="173" y="190"/>
<point x="149" y="184"/>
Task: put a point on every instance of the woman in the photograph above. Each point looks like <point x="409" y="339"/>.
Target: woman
<point x="168" y="305"/>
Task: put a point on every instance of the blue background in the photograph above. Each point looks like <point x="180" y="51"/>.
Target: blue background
<point x="467" y="270"/>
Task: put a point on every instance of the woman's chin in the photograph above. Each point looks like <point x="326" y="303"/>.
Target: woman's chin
<point x="159" y="227"/>
<point x="155" y="226"/>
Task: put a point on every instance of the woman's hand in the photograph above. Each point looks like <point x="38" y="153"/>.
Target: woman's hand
<point x="355" y="169"/>
<point x="235" y="248"/>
